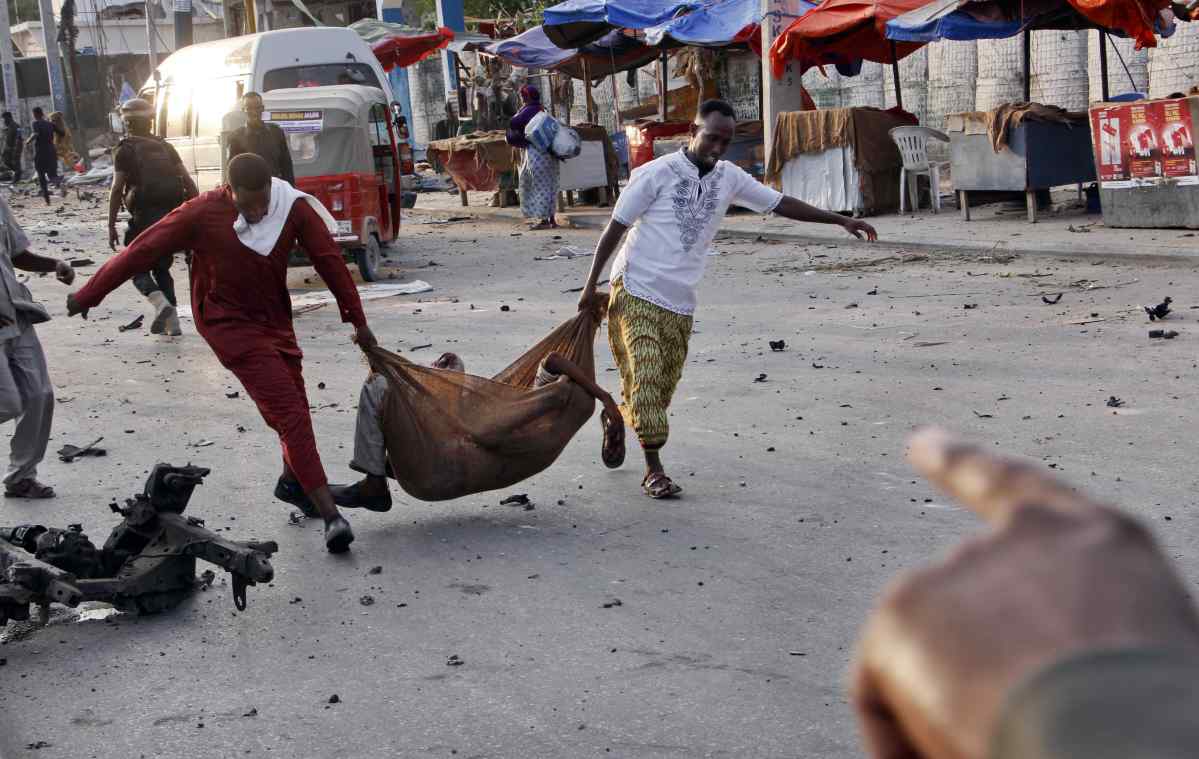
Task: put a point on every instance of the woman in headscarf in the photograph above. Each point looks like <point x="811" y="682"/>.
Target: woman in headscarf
<point x="539" y="171"/>
<point x="63" y="144"/>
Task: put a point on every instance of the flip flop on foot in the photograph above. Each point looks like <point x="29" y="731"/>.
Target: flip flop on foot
<point x="657" y="485"/>
<point x="540" y="226"/>
<point x="30" y="488"/>
<point x="338" y="535"/>
<point x="613" y="451"/>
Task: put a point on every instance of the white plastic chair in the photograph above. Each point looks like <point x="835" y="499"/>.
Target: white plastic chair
<point x="912" y="142"/>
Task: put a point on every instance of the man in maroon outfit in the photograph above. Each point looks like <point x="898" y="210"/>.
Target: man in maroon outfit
<point x="242" y="309"/>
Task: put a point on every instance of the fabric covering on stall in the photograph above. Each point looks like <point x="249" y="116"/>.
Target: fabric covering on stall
<point x="476" y="160"/>
<point x="866" y="131"/>
<point x="719" y="24"/>
<point x="997" y="124"/>
<point x="397" y="45"/>
<point x="840" y="30"/>
<point x="450" y="434"/>
<point x="1133" y="17"/>
<point x="576" y="22"/>
<point x="612" y="53"/>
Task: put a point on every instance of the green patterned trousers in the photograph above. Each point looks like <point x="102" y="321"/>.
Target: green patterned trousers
<point x="649" y="344"/>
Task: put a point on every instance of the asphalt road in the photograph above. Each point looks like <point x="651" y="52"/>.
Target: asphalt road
<point x="740" y="602"/>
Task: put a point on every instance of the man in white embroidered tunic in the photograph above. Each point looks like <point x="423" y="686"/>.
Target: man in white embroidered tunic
<point x="672" y="209"/>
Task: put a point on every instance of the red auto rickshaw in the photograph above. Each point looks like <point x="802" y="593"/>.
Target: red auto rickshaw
<point x="344" y="147"/>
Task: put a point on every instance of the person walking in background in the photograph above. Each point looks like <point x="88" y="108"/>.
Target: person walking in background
<point x="12" y="145"/>
<point x="45" y="157"/>
<point x="539" y="170"/>
<point x="150" y="180"/>
<point x="262" y="139"/>
<point x="26" y="393"/>
<point x="64" y="146"/>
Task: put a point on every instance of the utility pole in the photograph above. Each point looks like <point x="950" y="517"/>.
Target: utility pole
<point x="8" y="69"/>
<point x="183" y="24"/>
<point x="450" y="14"/>
<point x="150" y="31"/>
<point x="58" y="95"/>
<point x="778" y="95"/>
<point x="227" y="19"/>
<point x="68" y="34"/>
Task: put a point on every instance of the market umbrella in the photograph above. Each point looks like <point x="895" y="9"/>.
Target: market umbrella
<point x="397" y="45"/>
<point x="575" y="23"/>
<point x="998" y="19"/>
<point x="849" y="29"/>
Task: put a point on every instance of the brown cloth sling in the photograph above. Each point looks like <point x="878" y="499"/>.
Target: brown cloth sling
<point x="450" y="434"/>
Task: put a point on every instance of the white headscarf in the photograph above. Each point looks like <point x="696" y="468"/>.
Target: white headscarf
<point x="262" y="236"/>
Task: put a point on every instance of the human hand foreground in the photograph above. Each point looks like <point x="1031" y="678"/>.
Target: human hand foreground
<point x="365" y="338"/>
<point x="1056" y="575"/>
<point x="73" y="306"/>
<point x="861" y="230"/>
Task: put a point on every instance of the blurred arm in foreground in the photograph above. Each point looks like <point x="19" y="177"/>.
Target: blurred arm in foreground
<point x="1061" y="633"/>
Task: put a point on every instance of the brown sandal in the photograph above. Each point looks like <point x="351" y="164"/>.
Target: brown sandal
<point x="613" y="450"/>
<point x="30" y="488"/>
<point x="659" y="486"/>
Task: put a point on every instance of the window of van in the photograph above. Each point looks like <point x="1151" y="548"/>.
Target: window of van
<point x="176" y="111"/>
<point x="320" y="76"/>
<point x="378" y="132"/>
<point x="211" y="100"/>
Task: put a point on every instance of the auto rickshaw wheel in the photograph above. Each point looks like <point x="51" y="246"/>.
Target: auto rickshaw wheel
<point x="369" y="258"/>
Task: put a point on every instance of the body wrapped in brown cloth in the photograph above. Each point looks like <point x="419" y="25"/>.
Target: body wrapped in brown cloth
<point x="450" y="434"/>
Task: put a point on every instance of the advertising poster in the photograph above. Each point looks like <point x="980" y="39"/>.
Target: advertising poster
<point x="297" y="122"/>
<point x="1145" y="143"/>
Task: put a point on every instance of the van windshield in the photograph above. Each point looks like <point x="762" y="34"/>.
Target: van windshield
<point x="320" y="76"/>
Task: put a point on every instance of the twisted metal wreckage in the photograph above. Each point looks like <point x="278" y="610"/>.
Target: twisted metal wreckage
<point x="147" y="565"/>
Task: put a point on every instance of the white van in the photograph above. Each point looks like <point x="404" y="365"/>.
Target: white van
<point x="197" y="86"/>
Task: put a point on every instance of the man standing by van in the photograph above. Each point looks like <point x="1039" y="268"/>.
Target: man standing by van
<point x="262" y="139"/>
<point x="150" y="180"/>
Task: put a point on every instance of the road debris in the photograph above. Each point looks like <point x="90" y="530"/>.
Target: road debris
<point x="1160" y="311"/>
<point x="1051" y="301"/>
<point x="778" y="346"/>
<point x="68" y="453"/>
<point x="1114" y="402"/>
<point x="455" y="661"/>
<point x="1163" y="334"/>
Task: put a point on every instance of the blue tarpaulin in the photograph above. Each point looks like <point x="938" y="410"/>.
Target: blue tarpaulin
<point x="611" y="53"/>
<point x="530" y="50"/>
<point x="717" y="23"/>
<point x="947" y="20"/>
<point x="575" y="23"/>
<point x="941" y="20"/>
<point x="622" y="14"/>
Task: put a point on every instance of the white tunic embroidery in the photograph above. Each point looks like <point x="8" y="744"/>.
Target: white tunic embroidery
<point x="673" y="215"/>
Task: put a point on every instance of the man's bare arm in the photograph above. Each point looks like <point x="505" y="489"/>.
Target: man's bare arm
<point x="116" y="196"/>
<point x="603" y="251"/>
<point x="556" y="363"/>
<point x="797" y="210"/>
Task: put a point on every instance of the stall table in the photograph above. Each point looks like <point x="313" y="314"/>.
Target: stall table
<point x="839" y="159"/>
<point x="1145" y="158"/>
<point x="1038" y="155"/>
<point x="480" y="161"/>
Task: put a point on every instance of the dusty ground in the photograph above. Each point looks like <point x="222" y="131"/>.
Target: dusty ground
<point x="740" y="602"/>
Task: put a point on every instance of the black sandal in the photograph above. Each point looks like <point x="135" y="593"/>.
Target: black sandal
<point x="613" y="450"/>
<point x="31" y="489"/>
